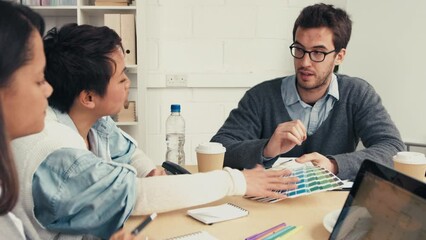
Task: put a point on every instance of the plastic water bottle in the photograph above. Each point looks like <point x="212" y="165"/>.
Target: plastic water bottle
<point x="175" y="136"/>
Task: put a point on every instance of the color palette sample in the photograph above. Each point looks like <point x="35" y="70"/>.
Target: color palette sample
<point x="312" y="179"/>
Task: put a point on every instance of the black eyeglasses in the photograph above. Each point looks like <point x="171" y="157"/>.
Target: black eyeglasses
<point x="315" y="56"/>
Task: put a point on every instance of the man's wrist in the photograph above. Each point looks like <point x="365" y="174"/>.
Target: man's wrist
<point x="334" y="167"/>
<point x="265" y="152"/>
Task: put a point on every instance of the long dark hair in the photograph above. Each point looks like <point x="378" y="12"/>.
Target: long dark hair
<point x="8" y="176"/>
<point x="17" y="24"/>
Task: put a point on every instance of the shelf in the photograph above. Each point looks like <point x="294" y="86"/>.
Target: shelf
<point x="99" y="12"/>
<point x="126" y="123"/>
<point x="104" y="8"/>
<point x="132" y="69"/>
<point x="49" y="11"/>
<point x="71" y="11"/>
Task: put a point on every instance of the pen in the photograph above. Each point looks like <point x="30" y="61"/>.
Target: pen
<point x="280" y="233"/>
<point x="270" y="230"/>
<point x="143" y="224"/>
<point x="289" y="234"/>
<point x="275" y="230"/>
<point x="286" y="161"/>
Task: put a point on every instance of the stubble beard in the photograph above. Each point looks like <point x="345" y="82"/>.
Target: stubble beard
<point x="319" y="83"/>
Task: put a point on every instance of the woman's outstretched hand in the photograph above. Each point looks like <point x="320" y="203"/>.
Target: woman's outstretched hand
<point x="262" y="183"/>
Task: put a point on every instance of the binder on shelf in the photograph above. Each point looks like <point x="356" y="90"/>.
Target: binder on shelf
<point x="31" y="2"/>
<point x="49" y="2"/>
<point x="112" y="20"/>
<point x="128" y="37"/>
<point x="124" y="25"/>
<point x="111" y="3"/>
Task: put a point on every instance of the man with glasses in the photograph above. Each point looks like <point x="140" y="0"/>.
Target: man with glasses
<point x="315" y="115"/>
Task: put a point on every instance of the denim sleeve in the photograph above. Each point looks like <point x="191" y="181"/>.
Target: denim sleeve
<point x="75" y="192"/>
<point x="121" y="145"/>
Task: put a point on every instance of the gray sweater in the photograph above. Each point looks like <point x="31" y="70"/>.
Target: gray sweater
<point x="358" y="115"/>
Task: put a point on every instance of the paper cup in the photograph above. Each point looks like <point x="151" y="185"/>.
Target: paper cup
<point x="210" y="156"/>
<point x="412" y="164"/>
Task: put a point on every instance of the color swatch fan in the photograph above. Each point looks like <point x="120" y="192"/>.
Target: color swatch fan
<point x="312" y="179"/>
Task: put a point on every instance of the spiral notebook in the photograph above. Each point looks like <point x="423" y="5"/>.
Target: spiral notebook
<point x="200" y="235"/>
<point x="220" y="213"/>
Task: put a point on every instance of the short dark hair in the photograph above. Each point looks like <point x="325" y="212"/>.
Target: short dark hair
<point x="17" y="24"/>
<point x="77" y="59"/>
<point x="323" y="15"/>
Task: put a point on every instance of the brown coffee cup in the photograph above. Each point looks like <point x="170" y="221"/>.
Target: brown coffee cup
<point x="210" y="156"/>
<point x="412" y="164"/>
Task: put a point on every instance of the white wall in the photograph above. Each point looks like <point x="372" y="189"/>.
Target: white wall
<point x="223" y="47"/>
<point x="388" y="49"/>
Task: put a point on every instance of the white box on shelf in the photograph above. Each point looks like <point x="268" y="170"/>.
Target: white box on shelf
<point x="112" y="20"/>
<point x="128" y="37"/>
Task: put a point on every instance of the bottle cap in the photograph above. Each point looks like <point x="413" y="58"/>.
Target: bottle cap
<point x="175" y="108"/>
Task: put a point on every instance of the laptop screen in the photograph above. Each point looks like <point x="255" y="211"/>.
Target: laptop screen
<point x="383" y="204"/>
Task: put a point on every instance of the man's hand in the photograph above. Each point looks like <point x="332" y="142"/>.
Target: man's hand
<point x="157" y="172"/>
<point x="286" y="136"/>
<point x="319" y="160"/>
<point x="261" y="183"/>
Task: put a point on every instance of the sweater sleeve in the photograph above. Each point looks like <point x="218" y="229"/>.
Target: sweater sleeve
<point x="124" y="149"/>
<point x="142" y="163"/>
<point x="139" y="160"/>
<point x="75" y="192"/>
<point x="377" y="132"/>
<point x="241" y="135"/>
<point x="167" y="193"/>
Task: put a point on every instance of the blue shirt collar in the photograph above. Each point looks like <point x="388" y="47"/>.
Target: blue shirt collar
<point x="291" y="96"/>
<point x="102" y="126"/>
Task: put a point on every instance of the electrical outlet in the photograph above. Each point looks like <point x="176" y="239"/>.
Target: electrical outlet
<point x="176" y="80"/>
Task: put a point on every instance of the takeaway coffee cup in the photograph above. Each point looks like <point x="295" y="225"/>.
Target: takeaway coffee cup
<point x="411" y="163"/>
<point x="210" y="156"/>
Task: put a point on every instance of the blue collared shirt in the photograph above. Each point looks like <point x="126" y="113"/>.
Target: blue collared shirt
<point x="311" y="116"/>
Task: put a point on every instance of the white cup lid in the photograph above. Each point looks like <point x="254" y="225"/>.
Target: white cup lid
<point x="210" y="148"/>
<point x="410" y="158"/>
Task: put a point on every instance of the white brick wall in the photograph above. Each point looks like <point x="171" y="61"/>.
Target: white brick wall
<point x="219" y="22"/>
<point x="223" y="47"/>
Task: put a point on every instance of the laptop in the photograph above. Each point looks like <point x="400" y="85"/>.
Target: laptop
<point x="382" y="204"/>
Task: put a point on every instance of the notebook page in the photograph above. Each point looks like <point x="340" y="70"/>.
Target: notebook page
<point x="200" y="235"/>
<point x="223" y="212"/>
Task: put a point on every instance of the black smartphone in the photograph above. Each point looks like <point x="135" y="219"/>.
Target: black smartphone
<point x="173" y="168"/>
